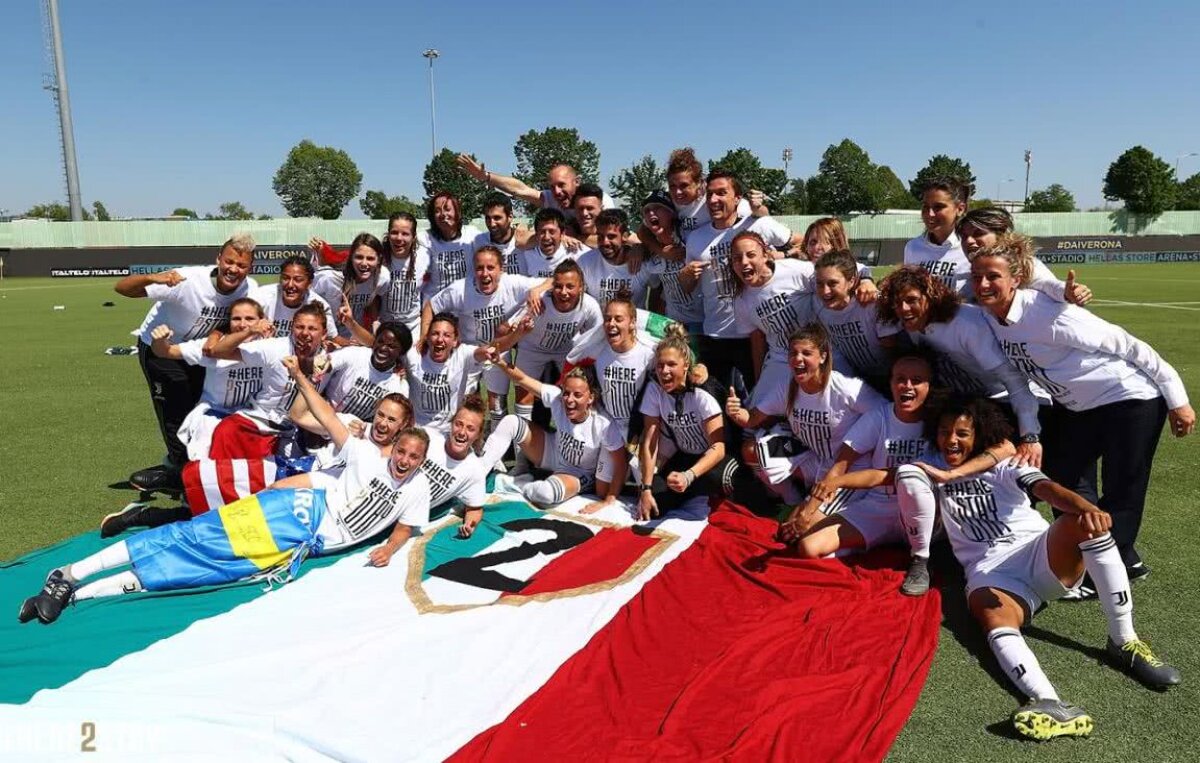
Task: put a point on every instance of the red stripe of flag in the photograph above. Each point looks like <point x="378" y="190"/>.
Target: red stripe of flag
<point x="193" y="488"/>
<point x="225" y="484"/>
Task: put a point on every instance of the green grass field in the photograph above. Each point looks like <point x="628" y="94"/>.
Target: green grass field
<point x="76" y="422"/>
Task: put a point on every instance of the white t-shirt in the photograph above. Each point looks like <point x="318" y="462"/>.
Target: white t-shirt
<point x="689" y="217"/>
<point x="966" y="355"/>
<point x="708" y="244"/>
<point x="366" y="499"/>
<point x="684" y="424"/>
<point x="681" y="305"/>
<point x="355" y="386"/>
<point x="822" y="420"/>
<point x="549" y="201"/>
<point x="401" y="301"/>
<point x="192" y="308"/>
<point x="621" y="377"/>
<point x="604" y="279"/>
<point x="449" y="478"/>
<point x="1080" y="359"/>
<point x="278" y="391"/>
<point x="228" y="384"/>
<point x="479" y="314"/>
<point x="328" y="284"/>
<point x="890" y="441"/>
<point x="448" y="260"/>
<point x="989" y="515"/>
<point x="579" y="447"/>
<point x="281" y="315"/>
<point x="511" y="254"/>
<point x="778" y="307"/>
<point x="945" y="261"/>
<point x="534" y="264"/>
<point x="438" y="388"/>
<point x="855" y="331"/>
<point x="554" y="332"/>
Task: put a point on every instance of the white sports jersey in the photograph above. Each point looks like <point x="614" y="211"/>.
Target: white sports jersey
<point x="580" y="446"/>
<point x="822" y="420"/>
<point x="708" y="244"/>
<point x="329" y="282"/>
<point x="554" y="332"/>
<point x="228" y="384"/>
<point x="604" y="279"/>
<point x="682" y="423"/>
<point x="450" y="478"/>
<point x="548" y="201"/>
<point x="479" y="314"/>
<point x="681" y="305"/>
<point x="448" y="260"/>
<point x="401" y="301"/>
<point x="1082" y="360"/>
<point x="278" y="389"/>
<point x="366" y="498"/>
<point x="621" y="377"/>
<point x="511" y="254"/>
<point x="534" y="264"/>
<point x="945" y="261"/>
<point x="281" y="315"/>
<point x="192" y="308"/>
<point x="989" y="515"/>
<point x="855" y="331"/>
<point x="689" y="217"/>
<point x="890" y="441"/>
<point x="438" y="388"/>
<point x="356" y="386"/>
<point x="778" y="307"/>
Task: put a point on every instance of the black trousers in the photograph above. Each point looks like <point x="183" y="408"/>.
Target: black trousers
<point x="728" y="479"/>
<point x="723" y="355"/>
<point x="175" y="389"/>
<point x="1121" y="438"/>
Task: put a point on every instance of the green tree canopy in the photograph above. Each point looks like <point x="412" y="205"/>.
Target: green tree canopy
<point x="942" y="166"/>
<point x="1053" y="199"/>
<point x="633" y="184"/>
<point x="1189" y="193"/>
<point x="794" y="200"/>
<point x="443" y="174"/>
<point x="377" y="205"/>
<point x="749" y="169"/>
<point x="1142" y="180"/>
<point x="55" y="211"/>
<point x="185" y="212"/>
<point x="231" y="210"/>
<point x="846" y="181"/>
<point x="538" y="151"/>
<point x="101" y="211"/>
<point x="317" y="181"/>
<point x="891" y="191"/>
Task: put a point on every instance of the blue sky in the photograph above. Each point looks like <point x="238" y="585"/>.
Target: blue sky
<point x="192" y="104"/>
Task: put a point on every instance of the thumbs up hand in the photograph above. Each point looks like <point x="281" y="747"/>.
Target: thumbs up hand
<point x="1075" y="292"/>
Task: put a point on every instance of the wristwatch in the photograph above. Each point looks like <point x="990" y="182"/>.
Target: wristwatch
<point x="645" y="487"/>
<point x="1030" y="439"/>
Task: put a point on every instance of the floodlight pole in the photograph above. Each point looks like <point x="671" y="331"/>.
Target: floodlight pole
<point x="432" y="55"/>
<point x="61" y="97"/>
<point x="787" y="158"/>
<point x="1028" y="164"/>
<point x="1183" y="156"/>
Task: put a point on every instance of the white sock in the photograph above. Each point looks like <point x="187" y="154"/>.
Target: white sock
<point x="110" y="557"/>
<point x="918" y="507"/>
<point x="1019" y="664"/>
<point x="524" y="411"/>
<point x="510" y="432"/>
<point x="113" y="585"/>
<point x="545" y="493"/>
<point x="1103" y="563"/>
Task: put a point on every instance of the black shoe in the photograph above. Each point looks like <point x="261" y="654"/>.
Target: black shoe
<point x="1138" y="571"/>
<point x="916" y="582"/>
<point x="157" y="479"/>
<point x="48" y="604"/>
<point x="133" y="515"/>
<point x="1136" y="659"/>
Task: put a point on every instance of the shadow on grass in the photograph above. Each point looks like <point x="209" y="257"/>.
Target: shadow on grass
<point x="1005" y="730"/>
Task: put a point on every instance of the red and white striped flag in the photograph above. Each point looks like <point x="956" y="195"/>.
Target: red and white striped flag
<point x="210" y="484"/>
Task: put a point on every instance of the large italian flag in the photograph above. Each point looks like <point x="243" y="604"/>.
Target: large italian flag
<point x="546" y="636"/>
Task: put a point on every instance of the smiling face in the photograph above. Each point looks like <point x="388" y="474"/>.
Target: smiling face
<point x="994" y="283"/>
<point x="498" y="222"/>
<point x="407" y="455"/>
<point x="243" y="317"/>
<point x="833" y="289"/>
<point x="464" y="431"/>
<point x="750" y="262"/>
<point x="975" y="238"/>
<point x="549" y="237"/>
<point x="293" y="285"/>
<point x="619" y="322"/>
<point x="401" y="234"/>
<point x="390" y="418"/>
<point x="910" y="388"/>
<point x="563" y="181"/>
<point x="587" y="208"/>
<point x="722" y="202"/>
<point x="611" y="242"/>
<point x="386" y="350"/>
<point x="445" y="216"/>
<point x="956" y="439"/>
<point x="307" y="333"/>
<point x="442" y="339"/>
<point x="365" y="262"/>
<point x="577" y="399"/>
<point x="671" y="369"/>
<point x="684" y="187"/>
<point x="912" y="308"/>
<point x="487" y="271"/>
<point x="806" y="359"/>
<point x="939" y="212"/>
<point x="565" y="291"/>
<point x="232" y="268"/>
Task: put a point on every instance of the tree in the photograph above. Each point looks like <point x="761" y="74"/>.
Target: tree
<point x="1189" y="193"/>
<point x="1052" y="199"/>
<point x="185" y="212"/>
<point x="317" y="181"/>
<point x="377" y="205"/>
<point x="846" y="181"/>
<point x="890" y="190"/>
<point x="743" y="163"/>
<point x="443" y="174"/>
<point x="794" y="200"/>
<point x="55" y="211"/>
<point x="101" y="211"/>
<point x="633" y="184"/>
<point x="1143" y="181"/>
<point x="942" y="166"/>
<point x="231" y="210"/>
<point x="537" y="152"/>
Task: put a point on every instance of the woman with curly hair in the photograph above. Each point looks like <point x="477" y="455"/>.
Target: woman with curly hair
<point x="969" y="359"/>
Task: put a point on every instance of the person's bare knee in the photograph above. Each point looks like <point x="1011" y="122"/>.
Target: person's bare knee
<point x="993" y="609"/>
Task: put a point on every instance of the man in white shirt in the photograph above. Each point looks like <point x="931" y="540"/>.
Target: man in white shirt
<point x="562" y="179"/>
<point x="501" y="233"/>
<point x="192" y="302"/>
<point x="539" y="261"/>
<point x="606" y="269"/>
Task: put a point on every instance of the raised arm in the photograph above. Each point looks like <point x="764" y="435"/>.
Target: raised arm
<point x="746" y="418"/>
<point x="520" y="377"/>
<point x="227" y="347"/>
<point x="161" y="343"/>
<point x="506" y="183"/>
<point x="361" y="335"/>
<point x="135" y="285"/>
<point x="317" y="405"/>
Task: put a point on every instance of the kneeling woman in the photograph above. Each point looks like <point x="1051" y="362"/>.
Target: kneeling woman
<point x="1015" y="561"/>
<point x="585" y="453"/>
<point x="375" y="490"/>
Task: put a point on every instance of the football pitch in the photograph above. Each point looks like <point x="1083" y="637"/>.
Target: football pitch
<point x="76" y="422"/>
